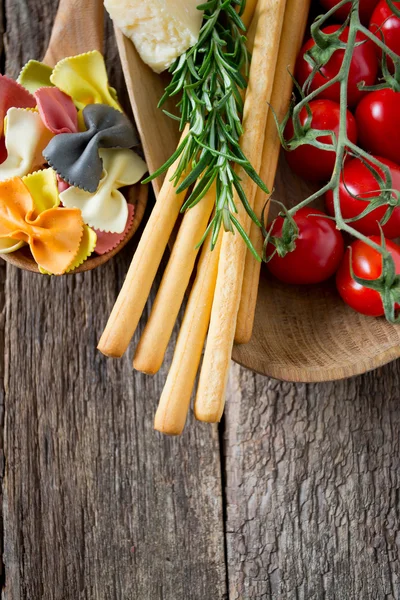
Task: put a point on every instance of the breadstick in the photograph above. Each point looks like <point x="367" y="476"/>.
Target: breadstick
<point x="294" y="25"/>
<point x="210" y="397"/>
<point x="175" y="399"/>
<point x="248" y="12"/>
<point x="156" y="335"/>
<point x="132" y="298"/>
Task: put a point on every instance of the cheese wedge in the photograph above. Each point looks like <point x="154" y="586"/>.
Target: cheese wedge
<point x="161" y="30"/>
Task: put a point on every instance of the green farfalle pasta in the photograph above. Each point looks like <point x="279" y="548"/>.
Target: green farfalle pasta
<point x="35" y="75"/>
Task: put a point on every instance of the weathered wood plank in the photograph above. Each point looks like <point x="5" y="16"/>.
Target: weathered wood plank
<point x="97" y="506"/>
<point x="313" y="488"/>
<point x="2" y="324"/>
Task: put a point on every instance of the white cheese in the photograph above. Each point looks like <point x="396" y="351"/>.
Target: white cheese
<point x="161" y="30"/>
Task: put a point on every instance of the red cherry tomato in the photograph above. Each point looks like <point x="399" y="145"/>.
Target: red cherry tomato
<point x="364" y="67"/>
<point x="366" y="9"/>
<point x="386" y="26"/>
<point x="367" y="264"/>
<point x="319" y="249"/>
<point x="308" y="161"/>
<point x="357" y="180"/>
<point x="378" y="120"/>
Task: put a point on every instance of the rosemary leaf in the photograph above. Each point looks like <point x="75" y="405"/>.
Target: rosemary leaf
<point x="209" y="79"/>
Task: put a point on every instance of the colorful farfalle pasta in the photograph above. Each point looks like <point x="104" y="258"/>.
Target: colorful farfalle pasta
<point x="106" y="209"/>
<point x="75" y="156"/>
<point x="84" y="78"/>
<point x="65" y="151"/>
<point x="56" y="110"/>
<point x="25" y="139"/>
<point x="54" y="235"/>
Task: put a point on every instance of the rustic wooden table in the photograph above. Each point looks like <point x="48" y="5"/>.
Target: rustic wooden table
<point x="295" y="496"/>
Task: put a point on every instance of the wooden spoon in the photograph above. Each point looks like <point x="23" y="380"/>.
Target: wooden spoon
<point x="300" y="333"/>
<point x="78" y="28"/>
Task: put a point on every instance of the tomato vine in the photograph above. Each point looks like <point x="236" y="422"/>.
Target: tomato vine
<point x="324" y="46"/>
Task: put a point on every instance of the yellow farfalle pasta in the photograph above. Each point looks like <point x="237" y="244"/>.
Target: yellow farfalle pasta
<point x="25" y="139"/>
<point x="84" y="78"/>
<point x="43" y="188"/>
<point x="8" y="245"/>
<point x="107" y="209"/>
<point x="88" y="244"/>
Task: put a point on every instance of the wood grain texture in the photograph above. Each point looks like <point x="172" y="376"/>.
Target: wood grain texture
<point x="97" y="506"/>
<point x="312" y="488"/>
<point x="2" y="327"/>
<point x="71" y="35"/>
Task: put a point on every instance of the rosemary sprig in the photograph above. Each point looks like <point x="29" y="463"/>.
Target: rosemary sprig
<point x="209" y="79"/>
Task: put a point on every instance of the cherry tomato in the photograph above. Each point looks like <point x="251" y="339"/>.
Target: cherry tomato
<point x="386" y="25"/>
<point x="308" y="161"/>
<point x="357" y="180"/>
<point x="378" y="120"/>
<point x="366" y="9"/>
<point x="364" y="67"/>
<point x="367" y="264"/>
<point x="319" y="249"/>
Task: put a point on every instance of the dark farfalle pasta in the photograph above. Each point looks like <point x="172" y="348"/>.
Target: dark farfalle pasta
<point x="75" y="157"/>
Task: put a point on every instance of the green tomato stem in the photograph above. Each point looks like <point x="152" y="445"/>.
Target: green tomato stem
<point x="343" y="143"/>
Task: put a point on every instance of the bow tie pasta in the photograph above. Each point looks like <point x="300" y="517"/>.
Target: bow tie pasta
<point x="75" y="156"/>
<point x="57" y="110"/>
<point x="107" y="209"/>
<point x="84" y="78"/>
<point x="54" y="236"/>
<point x="13" y="94"/>
<point x="35" y="75"/>
<point x="42" y="186"/>
<point x="70" y="118"/>
<point x="25" y="139"/>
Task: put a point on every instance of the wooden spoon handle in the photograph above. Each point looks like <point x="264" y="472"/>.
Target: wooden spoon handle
<point x="78" y="28"/>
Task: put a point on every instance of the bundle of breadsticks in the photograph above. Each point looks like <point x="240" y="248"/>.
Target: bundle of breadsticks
<point x="221" y="303"/>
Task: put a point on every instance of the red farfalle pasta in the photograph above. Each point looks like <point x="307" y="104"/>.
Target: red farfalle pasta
<point x="57" y="110"/>
<point x="54" y="236"/>
<point x="62" y="185"/>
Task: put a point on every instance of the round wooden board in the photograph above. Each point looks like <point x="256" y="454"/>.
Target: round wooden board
<point x="136" y="195"/>
<point x="300" y="334"/>
<point x="307" y="333"/>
